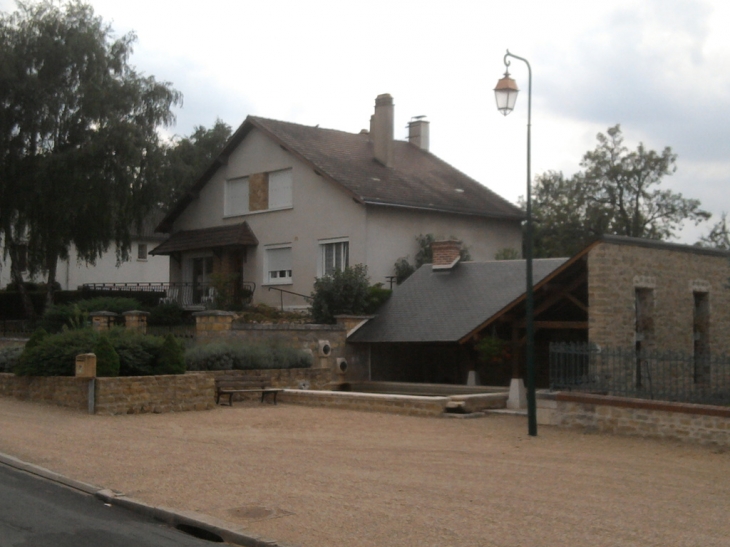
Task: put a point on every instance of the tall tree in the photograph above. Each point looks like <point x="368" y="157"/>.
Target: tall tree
<point x="617" y="192"/>
<point x="187" y="158"/>
<point x="78" y="130"/>
<point x="718" y="237"/>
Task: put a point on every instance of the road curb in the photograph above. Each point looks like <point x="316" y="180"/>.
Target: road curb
<point x="228" y="531"/>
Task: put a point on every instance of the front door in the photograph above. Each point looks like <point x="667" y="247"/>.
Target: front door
<point x="202" y="271"/>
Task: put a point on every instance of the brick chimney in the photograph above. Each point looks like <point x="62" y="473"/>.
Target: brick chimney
<point x="418" y="132"/>
<point x="381" y="129"/>
<point x="446" y="254"/>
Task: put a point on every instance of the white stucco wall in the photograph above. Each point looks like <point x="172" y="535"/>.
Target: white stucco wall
<point x="71" y="273"/>
<point x="392" y="231"/>
<point x="321" y="210"/>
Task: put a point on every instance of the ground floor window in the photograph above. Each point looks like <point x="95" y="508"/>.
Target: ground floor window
<point x="333" y="256"/>
<point x="278" y="266"/>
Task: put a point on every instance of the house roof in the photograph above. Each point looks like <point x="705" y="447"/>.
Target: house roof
<point x="417" y="179"/>
<point x="446" y="306"/>
<point x="234" y="235"/>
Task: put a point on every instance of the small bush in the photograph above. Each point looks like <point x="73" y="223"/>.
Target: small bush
<point x="138" y="353"/>
<point x="36" y="338"/>
<point x="107" y="359"/>
<point x="116" y="304"/>
<point x="9" y="358"/>
<point x="55" y="355"/>
<point x="76" y="315"/>
<point x="343" y="292"/>
<point x="168" y="315"/>
<point x="377" y="296"/>
<point x="226" y="356"/>
<point x="70" y="316"/>
<point x="172" y="357"/>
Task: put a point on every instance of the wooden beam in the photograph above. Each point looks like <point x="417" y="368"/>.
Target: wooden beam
<point x="577" y="302"/>
<point x="550" y="302"/>
<point x="561" y="324"/>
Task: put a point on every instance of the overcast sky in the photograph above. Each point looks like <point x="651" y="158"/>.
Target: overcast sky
<point x="659" y="68"/>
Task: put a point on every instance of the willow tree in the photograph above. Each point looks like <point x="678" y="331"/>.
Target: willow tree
<point x="79" y="134"/>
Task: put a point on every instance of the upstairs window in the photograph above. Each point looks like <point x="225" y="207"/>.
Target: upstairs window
<point x="280" y="189"/>
<point x="258" y="192"/>
<point x="333" y="256"/>
<point x="278" y="266"/>
<point x="236" y="197"/>
<point x="142" y="251"/>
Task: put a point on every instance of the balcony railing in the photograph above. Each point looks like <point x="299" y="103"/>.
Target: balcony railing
<point x="189" y="295"/>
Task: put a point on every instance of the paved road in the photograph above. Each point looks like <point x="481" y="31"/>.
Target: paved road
<point x="39" y="513"/>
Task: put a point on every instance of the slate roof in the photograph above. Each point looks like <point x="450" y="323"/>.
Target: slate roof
<point x="417" y="179"/>
<point x="446" y="306"/>
<point x="234" y="235"/>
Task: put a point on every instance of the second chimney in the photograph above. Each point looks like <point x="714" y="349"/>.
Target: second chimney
<point x="381" y="129"/>
<point x="418" y="132"/>
<point x="446" y="254"/>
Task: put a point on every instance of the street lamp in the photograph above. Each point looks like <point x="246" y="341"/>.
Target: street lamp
<point x="506" y="94"/>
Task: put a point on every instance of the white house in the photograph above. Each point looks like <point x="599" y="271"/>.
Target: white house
<point x="285" y="203"/>
<point x="142" y="267"/>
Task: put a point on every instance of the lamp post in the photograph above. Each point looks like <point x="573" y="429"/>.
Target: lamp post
<point x="506" y="94"/>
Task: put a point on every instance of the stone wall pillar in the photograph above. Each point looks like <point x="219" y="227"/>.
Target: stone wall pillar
<point x="136" y="320"/>
<point x="102" y="320"/>
<point x="213" y="321"/>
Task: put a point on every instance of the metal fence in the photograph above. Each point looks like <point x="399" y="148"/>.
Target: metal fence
<point x="186" y="295"/>
<point x="658" y="375"/>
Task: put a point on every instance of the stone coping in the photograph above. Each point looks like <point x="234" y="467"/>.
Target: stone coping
<point x="136" y="312"/>
<point x="623" y="402"/>
<point x="287" y="326"/>
<point x="350" y="395"/>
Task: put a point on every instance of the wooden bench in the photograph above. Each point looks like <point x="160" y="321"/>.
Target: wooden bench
<point x="228" y="385"/>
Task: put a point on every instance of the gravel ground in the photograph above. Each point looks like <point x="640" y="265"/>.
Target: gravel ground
<point x="317" y="477"/>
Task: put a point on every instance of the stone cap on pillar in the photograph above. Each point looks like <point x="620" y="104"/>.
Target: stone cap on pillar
<point x="136" y="312"/>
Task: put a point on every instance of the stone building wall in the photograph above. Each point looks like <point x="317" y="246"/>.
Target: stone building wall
<point x="672" y="273"/>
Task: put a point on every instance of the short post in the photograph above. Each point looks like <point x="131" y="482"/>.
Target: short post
<point x="86" y="368"/>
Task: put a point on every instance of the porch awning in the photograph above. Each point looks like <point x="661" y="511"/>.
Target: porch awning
<point x="234" y="235"/>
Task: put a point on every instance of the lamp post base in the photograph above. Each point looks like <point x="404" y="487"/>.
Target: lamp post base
<point x="517" y="394"/>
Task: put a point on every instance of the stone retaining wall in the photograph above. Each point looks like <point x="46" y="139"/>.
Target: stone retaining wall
<point x="123" y="395"/>
<point x="141" y="394"/>
<point x="70" y="392"/>
<point x="695" y="423"/>
<point x="393" y="404"/>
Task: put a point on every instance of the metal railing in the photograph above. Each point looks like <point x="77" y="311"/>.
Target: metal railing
<point x="281" y="295"/>
<point x="659" y="375"/>
<point x="187" y="295"/>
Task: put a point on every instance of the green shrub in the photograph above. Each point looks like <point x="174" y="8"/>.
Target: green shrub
<point x="168" y="315"/>
<point x="107" y="359"/>
<point x="377" y="296"/>
<point x="227" y="356"/>
<point x="138" y="353"/>
<point x="172" y="357"/>
<point x="9" y="358"/>
<point x="342" y="292"/>
<point x="55" y="355"/>
<point x="70" y="316"/>
<point x="116" y="304"/>
<point x="36" y="338"/>
<point x="76" y="315"/>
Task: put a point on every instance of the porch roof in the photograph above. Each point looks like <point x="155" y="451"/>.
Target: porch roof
<point x="234" y="235"/>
